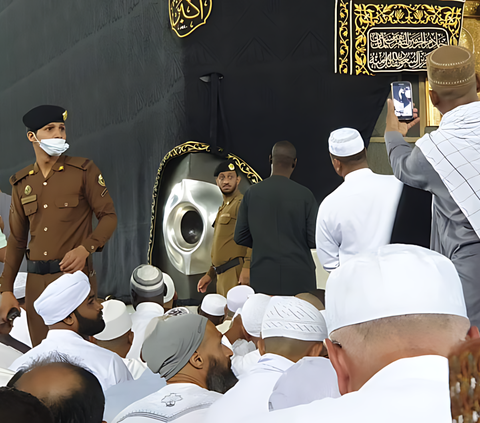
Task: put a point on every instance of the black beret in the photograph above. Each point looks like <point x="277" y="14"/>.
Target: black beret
<point x="43" y="115"/>
<point x="227" y="166"/>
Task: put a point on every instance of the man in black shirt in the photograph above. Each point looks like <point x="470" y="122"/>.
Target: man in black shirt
<point x="277" y="219"/>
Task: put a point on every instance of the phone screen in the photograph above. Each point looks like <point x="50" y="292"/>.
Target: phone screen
<point x="402" y="99"/>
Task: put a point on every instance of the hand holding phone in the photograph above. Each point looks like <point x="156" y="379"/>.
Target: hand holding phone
<point x="402" y="96"/>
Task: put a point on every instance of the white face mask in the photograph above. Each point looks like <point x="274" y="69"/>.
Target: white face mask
<point x="53" y="146"/>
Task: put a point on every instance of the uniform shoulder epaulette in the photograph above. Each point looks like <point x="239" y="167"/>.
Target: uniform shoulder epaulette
<point x="78" y="162"/>
<point x="20" y="174"/>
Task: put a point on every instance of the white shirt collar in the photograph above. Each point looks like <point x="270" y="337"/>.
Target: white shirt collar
<point x="358" y="173"/>
<point x="63" y="333"/>
<point x="425" y="367"/>
<point x="275" y="361"/>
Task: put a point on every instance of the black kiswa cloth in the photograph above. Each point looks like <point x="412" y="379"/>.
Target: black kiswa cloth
<point x="40" y="116"/>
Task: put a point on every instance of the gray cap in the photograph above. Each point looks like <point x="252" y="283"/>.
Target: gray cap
<point x="147" y="281"/>
<point x="172" y="343"/>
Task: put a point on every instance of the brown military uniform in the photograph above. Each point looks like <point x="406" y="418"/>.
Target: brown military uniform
<point x="57" y="211"/>
<point x="224" y="248"/>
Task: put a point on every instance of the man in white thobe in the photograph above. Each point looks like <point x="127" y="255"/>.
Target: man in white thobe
<point x="359" y="215"/>
<point x="446" y="163"/>
<point x="71" y="311"/>
<point x="291" y="329"/>
<point x="187" y="351"/>
<point x="393" y="317"/>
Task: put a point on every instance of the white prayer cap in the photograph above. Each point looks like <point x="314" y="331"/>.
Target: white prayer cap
<point x="117" y="320"/>
<point x="237" y="296"/>
<point x="20" y="285"/>
<point x="252" y="313"/>
<point x="395" y="280"/>
<point x="150" y="281"/>
<point x="59" y="299"/>
<point x="345" y="142"/>
<point x="291" y="317"/>
<point x="214" y="304"/>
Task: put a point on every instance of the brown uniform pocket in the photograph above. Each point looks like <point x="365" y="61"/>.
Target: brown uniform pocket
<point x="66" y="204"/>
<point x="224" y="219"/>
<point x="30" y="208"/>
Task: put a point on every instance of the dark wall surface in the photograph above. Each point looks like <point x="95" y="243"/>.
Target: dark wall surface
<point x="133" y="92"/>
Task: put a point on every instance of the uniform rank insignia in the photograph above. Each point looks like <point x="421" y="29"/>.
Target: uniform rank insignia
<point x="65" y="115"/>
<point x="28" y="190"/>
<point x="101" y="181"/>
<point x="231" y="166"/>
<point x="187" y="15"/>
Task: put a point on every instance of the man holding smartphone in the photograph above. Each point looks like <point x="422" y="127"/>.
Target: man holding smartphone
<point x="446" y="163"/>
<point x="53" y="200"/>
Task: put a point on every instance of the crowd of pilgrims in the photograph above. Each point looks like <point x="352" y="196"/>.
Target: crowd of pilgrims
<point x="392" y="337"/>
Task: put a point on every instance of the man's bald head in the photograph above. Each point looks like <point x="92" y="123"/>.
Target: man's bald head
<point x="71" y="392"/>
<point x="284" y="154"/>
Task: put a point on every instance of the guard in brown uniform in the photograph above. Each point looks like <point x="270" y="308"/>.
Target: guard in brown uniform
<point x="53" y="199"/>
<point x="230" y="262"/>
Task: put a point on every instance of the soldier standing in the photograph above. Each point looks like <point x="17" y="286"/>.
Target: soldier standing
<point x="53" y="199"/>
<point x="230" y="262"/>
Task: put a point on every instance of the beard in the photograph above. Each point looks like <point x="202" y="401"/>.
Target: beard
<point x="220" y="378"/>
<point x="89" y="327"/>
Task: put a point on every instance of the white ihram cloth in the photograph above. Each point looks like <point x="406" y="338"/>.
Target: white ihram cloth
<point x="413" y="390"/>
<point x="454" y="152"/>
<point x="107" y="366"/>
<point x="8" y="355"/>
<point x="357" y="217"/>
<point x="176" y="402"/>
<point x="142" y="316"/>
<point x="310" y="379"/>
<point x="252" y="392"/>
<point x="120" y="396"/>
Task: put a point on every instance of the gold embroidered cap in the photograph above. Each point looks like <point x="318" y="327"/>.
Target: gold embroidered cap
<point x="450" y="66"/>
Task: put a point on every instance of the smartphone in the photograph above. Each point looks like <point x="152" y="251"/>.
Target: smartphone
<point x="402" y="96"/>
<point x="13" y="314"/>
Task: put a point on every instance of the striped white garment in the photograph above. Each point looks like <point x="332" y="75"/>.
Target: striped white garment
<point x="454" y="152"/>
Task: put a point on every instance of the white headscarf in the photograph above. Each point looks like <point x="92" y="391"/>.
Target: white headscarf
<point x="62" y="297"/>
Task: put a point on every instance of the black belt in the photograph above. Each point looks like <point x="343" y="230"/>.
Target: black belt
<point x="43" y="267"/>
<point x="226" y="266"/>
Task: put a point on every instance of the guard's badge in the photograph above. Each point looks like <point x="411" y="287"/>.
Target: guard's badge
<point x="65" y="115"/>
<point x="101" y="181"/>
<point x="231" y="166"/>
<point x="28" y="190"/>
<point x="171" y="400"/>
<point x="187" y="15"/>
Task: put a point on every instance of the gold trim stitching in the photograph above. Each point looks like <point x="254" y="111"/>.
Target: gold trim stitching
<point x="343" y="36"/>
<point x="369" y="15"/>
<point x="180" y="150"/>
